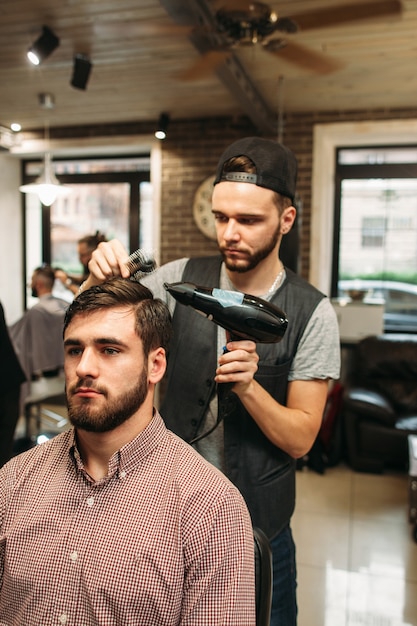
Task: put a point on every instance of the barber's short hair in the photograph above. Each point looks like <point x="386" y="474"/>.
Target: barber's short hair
<point x="153" y="320"/>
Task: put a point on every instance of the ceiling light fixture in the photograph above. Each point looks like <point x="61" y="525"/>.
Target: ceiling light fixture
<point x="43" y="46"/>
<point x="47" y="187"/>
<point x="163" y="122"/>
<point x="81" y="71"/>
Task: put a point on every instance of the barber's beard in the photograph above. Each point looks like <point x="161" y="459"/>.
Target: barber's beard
<point x="252" y="260"/>
<point x="92" y="419"/>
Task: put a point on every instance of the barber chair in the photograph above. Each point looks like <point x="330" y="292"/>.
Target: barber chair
<point x="380" y="402"/>
<point x="263" y="578"/>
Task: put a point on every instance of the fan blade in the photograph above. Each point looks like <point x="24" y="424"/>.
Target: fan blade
<point x="320" y="18"/>
<point x="305" y="57"/>
<point x="204" y="66"/>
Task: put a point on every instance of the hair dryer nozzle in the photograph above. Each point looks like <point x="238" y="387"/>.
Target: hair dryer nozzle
<point x="243" y="315"/>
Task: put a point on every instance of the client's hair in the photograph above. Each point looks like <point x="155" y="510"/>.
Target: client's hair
<point x="153" y="319"/>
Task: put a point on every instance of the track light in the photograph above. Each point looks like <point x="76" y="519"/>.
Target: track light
<point x="161" y="131"/>
<point x="81" y="71"/>
<point x="43" y="46"/>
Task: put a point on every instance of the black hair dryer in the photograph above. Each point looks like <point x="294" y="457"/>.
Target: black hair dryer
<point x="243" y="315"/>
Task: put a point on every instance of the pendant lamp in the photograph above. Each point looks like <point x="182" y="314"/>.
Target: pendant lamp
<point x="47" y="187"/>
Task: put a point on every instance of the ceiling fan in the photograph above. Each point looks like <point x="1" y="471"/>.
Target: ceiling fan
<point x="220" y="27"/>
<point x="238" y="23"/>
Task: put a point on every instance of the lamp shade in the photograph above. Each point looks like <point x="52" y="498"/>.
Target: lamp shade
<point x="47" y="187"/>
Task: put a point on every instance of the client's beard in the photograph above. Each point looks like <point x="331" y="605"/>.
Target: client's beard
<point x="115" y="413"/>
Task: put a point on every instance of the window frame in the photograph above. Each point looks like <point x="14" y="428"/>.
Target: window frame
<point x="361" y="171"/>
<point x="134" y="178"/>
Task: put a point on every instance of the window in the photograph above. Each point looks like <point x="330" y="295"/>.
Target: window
<point x="113" y="196"/>
<point x="373" y="232"/>
<point x="375" y="242"/>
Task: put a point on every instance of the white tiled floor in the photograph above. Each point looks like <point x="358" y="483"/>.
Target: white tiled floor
<point x="356" y="558"/>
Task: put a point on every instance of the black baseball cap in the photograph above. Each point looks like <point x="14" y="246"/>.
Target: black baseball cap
<point x="276" y="166"/>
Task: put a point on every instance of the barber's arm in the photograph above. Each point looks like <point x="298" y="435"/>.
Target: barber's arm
<point x="293" y="427"/>
<point x="69" y="282"/>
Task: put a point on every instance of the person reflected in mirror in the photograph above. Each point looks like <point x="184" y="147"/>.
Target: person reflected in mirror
<point x="36" y="336"/>
<point x="86" y="246"/>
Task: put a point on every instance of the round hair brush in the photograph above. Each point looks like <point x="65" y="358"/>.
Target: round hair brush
<point x="140" y="263"/>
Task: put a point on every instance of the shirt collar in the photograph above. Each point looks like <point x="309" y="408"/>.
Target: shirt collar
<point x="132" y="454"/>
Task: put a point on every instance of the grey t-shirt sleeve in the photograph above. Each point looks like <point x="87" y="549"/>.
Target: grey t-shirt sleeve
<point x="318" y="354"/>
<point x="169" y="273"/>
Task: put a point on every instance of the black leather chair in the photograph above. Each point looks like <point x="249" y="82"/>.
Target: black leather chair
<point x="263" y="577"/>
<point x="380" y="402"/>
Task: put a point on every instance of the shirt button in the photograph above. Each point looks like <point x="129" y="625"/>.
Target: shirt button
<point x="74" y="556"/>
<point x="90" y="501"/>
<point x="201" y="402"/>
<point x="63" y="619"/>
<point x="122" y="474"/>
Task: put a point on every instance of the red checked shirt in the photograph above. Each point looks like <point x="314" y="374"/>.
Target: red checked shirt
<point x="164" y="539"/>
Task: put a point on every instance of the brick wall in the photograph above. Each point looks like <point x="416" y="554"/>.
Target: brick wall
<point x="190" y="154"/>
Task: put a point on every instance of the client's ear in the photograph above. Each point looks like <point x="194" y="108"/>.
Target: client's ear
<point x="157" y="364"/>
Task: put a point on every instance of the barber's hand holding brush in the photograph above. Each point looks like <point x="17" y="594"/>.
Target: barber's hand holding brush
<point x="111" y="259"/>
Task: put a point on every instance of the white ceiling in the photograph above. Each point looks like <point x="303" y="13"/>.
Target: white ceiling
<point x="139" y="48"/>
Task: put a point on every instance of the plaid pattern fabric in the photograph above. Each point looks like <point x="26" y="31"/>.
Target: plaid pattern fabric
<point x="163" y="539"/>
